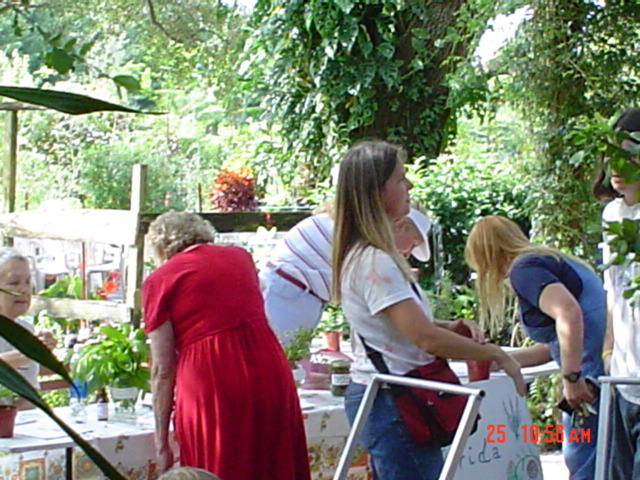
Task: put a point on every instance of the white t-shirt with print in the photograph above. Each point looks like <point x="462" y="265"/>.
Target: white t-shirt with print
<point x="372" y="282"/>
<point x="625" y="360"/>
<point x="30" y="369"/>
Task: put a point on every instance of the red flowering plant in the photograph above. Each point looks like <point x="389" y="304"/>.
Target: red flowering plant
<point x="233" y="190"/>
<point x="109" y="285"/>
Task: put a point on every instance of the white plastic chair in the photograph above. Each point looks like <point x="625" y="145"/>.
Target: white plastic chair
<point x="459" y="441"/>
<point x="607" y="384"/>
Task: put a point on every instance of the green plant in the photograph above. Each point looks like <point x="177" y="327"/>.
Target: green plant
<point x="7" y="397"/>
<point x="544" y="394"/>
<point x="116" y="357"/>
<point x="298" y="346"/>
<point x="332" y="319"/>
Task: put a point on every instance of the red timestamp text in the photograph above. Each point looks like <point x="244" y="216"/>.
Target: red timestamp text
<point x="534" y="434"/>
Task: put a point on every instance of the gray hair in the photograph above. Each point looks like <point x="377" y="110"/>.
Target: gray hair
<point x="173" y="232"/>
<point x="188" y="473"/>
<point x="10" y="253"/>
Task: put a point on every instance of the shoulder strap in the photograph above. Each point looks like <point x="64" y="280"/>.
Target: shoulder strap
<point x="375" y="356"/>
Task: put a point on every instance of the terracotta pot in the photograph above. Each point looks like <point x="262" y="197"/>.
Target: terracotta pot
<point x="332" y="340"/>
<point x="7" y="420"/>
<point x="478" y="370"/>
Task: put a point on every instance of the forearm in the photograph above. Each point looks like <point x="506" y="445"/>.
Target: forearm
<point x="570" y="333"/>
<point x="442" y="342"/>
<point x="535" y="355"/>
<point x="162" y="387"/>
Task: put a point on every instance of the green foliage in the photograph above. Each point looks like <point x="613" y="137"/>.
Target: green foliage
<point x="332" y="319"/>
<point x="7" y="397"/>
<point x="298" y="344"/>
<point x="65" y="102"/>
<point x="116" y="357"/>
<point x="568" y="68"/>
<point x="544" y="394"/>
<point x="452" y="301"/>
<point x="459" y="188"/>
<point x="56" y="398"/>
<point x="330" y="72"/>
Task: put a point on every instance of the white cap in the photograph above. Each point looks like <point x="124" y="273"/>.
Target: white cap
<point x="422" y="252"/>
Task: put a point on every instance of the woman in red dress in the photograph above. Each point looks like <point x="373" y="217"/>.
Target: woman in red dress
<point x="216" y="364"/>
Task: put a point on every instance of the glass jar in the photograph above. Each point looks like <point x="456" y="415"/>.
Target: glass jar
<point x="340" y="377"/>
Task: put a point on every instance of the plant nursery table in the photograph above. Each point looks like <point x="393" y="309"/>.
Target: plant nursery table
<point x="39" y="450"/>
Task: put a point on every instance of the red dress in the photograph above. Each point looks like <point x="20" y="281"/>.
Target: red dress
<point x="237" y="412"/>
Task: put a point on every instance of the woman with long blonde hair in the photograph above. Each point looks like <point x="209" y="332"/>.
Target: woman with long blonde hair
<point x="561" y="306"/>
<point x="373" y="282"/>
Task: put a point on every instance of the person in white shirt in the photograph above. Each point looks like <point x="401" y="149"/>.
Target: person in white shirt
<point x="621" y="350"/>
<point x="372" y="280"/>
<point x="15" y="276"/>
<point x="297" y="282"/>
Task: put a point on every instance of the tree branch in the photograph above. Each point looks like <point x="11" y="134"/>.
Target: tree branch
<point x="154" y="21"/>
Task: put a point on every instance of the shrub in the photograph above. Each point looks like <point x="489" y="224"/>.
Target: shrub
<point x="233" y="190"/>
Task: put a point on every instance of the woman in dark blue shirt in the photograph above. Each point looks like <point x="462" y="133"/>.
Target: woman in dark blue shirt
<point x="562" y="307"/>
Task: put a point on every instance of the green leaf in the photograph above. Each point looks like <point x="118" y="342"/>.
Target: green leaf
<point x="127" y="81"/>
<point x="614" y="227"/>
<point x="25" y="342"/>
<point x="386" y="50"/>
<point x="59" y="60"/>
<point x="577" y="158"/>
<point x="66" y="102"/>
<point x="629" y="230"/>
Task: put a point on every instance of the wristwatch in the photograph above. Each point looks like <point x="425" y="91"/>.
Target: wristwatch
<point x="572" y="377"/>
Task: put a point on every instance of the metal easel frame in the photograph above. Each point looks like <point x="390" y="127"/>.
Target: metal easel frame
<point x="607" y="384"/>
<point x="462" y="434"/>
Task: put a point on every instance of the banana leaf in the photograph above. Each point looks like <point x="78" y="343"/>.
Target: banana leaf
<point x="33" y="348"/>
<point x="66" y="102"/>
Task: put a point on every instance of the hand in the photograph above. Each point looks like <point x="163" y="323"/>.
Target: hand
<point x="512" y="368"/>
<point x="165" y="460"/>
<point x="577" y="392"/>
<point x="48" y="339"/>
<point x="473" y="328"/>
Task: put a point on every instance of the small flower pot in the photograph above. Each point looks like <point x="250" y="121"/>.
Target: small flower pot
<point x="7" y="420"/>
<point x="332" y="340"/>
<point x="478" y="370"/>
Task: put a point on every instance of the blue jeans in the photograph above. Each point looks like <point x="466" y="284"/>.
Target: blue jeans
<point x="393" y="454"/>
<point x="580" y="454"/>
<point x="625" y="444"/>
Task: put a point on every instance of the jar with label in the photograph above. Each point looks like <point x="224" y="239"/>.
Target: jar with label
<point x="340" y="377"/>
<point x="102" y="404"/>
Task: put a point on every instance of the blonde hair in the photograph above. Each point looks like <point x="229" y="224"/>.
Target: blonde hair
<point x="360" y="218"/>
<point x="492" y="246"/>
<point x="328" y="207"/>
<point x="172" y="232"/>
<point x="188" y="473"/>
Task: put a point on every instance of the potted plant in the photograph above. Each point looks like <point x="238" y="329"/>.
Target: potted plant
<point x="332" y="325"/>
<point x="297" y="348"/>
<point x="116" y="358"/>
<point x="8" y="412"/>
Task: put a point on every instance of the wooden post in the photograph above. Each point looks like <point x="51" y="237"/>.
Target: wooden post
<point x="136" y="252"/>
<point x="9" y="166"/>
